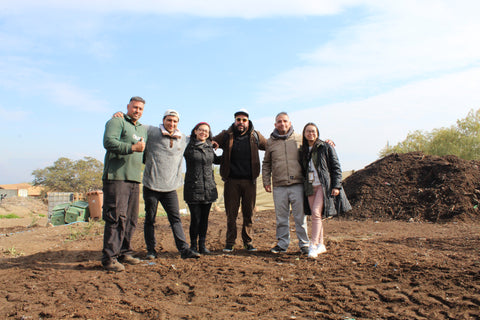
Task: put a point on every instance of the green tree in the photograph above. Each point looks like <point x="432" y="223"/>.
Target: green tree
<point x="469" y="130"/>
<point x="70" y="176"/>
<point x="415" y="141"/>
<point x="462" y="140"/>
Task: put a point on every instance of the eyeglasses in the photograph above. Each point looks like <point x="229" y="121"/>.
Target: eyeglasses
<point x="203" y="130"/>
<point x="241" y="119"/>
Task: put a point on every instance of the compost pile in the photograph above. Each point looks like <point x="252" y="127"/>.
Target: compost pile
<point x="416" y="187"/>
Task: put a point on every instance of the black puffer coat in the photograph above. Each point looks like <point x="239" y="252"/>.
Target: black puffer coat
<point x="200" y="184"/>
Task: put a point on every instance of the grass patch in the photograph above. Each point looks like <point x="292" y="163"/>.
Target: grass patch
<point x="13" y="252"/>
<point x="34" y="222"/>
<point x="88" y="230"/>
<point x="9" y="216"/>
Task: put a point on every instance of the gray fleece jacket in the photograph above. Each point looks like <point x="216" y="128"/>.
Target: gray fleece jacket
<point x="163" y="159"/>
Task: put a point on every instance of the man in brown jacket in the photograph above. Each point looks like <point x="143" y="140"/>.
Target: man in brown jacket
<point x="240" y="168"/>
<point x="281" y="166"/>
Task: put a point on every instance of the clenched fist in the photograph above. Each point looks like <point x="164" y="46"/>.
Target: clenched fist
<point x="139" y="146"/>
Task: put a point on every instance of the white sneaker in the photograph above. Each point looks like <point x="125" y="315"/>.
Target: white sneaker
<point x="312" y="251"/>
<point x="321" y="249"/>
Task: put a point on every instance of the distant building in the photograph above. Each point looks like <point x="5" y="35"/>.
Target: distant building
<point x="20" y="190"/>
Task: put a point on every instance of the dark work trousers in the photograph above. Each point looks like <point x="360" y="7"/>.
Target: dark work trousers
<point x="238" y="191"/>
<point x="169" y="201"/>
<point x="198" y="223"/>
<point x="120" y="213"/>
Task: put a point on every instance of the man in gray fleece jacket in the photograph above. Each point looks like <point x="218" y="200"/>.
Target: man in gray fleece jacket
<point x="162" y="177"/>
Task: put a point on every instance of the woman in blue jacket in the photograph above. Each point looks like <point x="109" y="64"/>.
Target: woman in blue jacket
<point x="200" y="189"/>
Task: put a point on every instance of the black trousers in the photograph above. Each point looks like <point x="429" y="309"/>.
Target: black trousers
<point x="120" y="213"/>
<point x="169" y="201"/>
<point x="199" y="213"/>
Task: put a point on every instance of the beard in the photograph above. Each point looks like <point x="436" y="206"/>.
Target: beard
<point x="240" y="128"/>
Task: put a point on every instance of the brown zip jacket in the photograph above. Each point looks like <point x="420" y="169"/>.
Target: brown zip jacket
<point x="281" y="166"/>
<point x="225" y="142"/>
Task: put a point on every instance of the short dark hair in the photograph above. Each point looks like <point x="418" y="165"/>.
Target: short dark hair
<point x="137" y="98"/>
<point x="283" y="113"/>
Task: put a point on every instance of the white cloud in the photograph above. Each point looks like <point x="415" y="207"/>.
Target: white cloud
<point x="22" y="76"/>
<point x="362" y="128"/>
<point x="65" y="95"/>
<point x="400" y="42"/>
<point x="208" y="8"/>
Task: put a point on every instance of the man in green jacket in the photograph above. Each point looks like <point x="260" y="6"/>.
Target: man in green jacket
<point x="124" y="139"/>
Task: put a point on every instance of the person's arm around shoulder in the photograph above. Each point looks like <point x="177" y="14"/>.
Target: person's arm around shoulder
<point x="330" y="142"/>
<point x="262" y="142"/>
<point x="218" y="141"/>
<point x="118" y="114"/>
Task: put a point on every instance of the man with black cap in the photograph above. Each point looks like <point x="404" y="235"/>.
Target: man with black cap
<point x="240" y="168"/>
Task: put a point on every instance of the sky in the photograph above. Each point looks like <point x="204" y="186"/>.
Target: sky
<point x="367" y="72"/>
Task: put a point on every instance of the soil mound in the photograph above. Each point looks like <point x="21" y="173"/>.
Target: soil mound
<point x="415" y="186"/>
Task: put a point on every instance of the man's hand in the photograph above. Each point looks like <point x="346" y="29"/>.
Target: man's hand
<point x="335" y="192"/>
<point x="268" y="188"/>
<point x="214" y="145"/>
<point x="118" y="114"/>
<point x="330" y="142"/>
<point x="139" y="146"/>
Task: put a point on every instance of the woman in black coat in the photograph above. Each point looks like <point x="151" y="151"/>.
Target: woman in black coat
<point x="323" y="183"/>
<point x="200" y="190"/>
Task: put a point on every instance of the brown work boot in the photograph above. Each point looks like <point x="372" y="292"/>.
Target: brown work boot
<point x="128" y="259"/>
<point x="114" y="265"/>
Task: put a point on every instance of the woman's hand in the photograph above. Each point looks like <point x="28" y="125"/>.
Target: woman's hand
<point x="335" y="192"/>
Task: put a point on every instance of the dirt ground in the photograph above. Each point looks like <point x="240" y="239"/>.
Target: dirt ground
<point x="377" y="266"/>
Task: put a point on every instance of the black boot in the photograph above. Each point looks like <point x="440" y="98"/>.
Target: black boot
<point x="201" y="246"/>
<point x="193" y="247"/>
